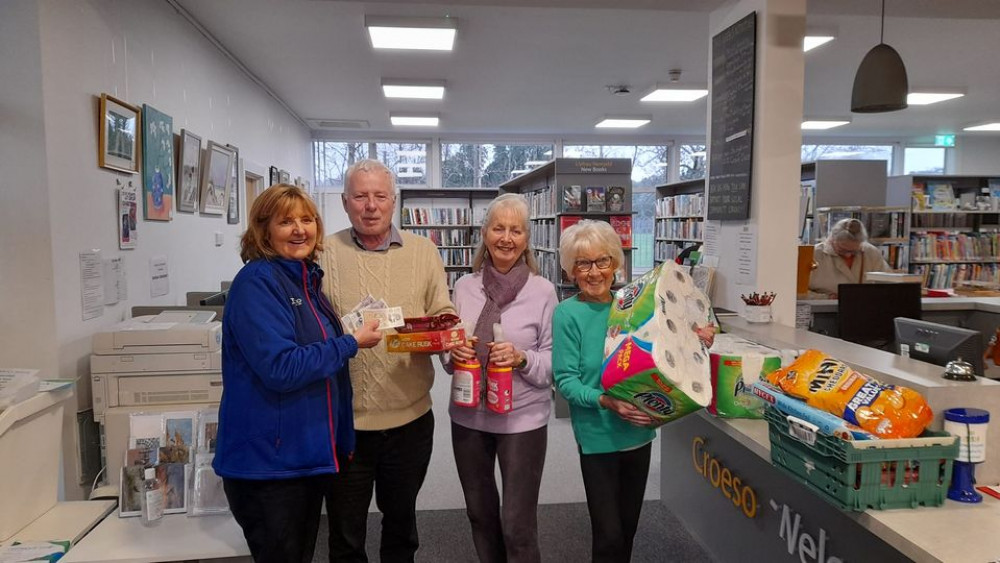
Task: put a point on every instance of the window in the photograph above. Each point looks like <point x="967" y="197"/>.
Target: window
<point x="812" y="153"/>
<point x="643" y="206"/>
<point x="692" y="162"/>
<point x="408" y="161"/>
<point x="649" y="162"/>
<point x="332" y="159"/>
<point x="482" y="165"/>
<point x="923" y="160"/>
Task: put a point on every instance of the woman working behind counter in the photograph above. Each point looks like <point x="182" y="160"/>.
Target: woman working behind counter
<point x="844" y="257"/>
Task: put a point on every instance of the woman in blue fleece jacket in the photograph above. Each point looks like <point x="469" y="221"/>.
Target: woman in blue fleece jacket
<point x="285" y="422"/>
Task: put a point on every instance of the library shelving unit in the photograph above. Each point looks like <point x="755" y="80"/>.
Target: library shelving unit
<point x="451" y="218"/>
<point x="954" y="231"/>
<point x="680" y="218"/>
<point x="838" y="183"/>
<point x="565" y="191"/>
<point x="888" y="229"/>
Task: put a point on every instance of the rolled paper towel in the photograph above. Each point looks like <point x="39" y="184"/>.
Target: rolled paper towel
<point x="653" y="357"/>
<point x="736" y="364"/>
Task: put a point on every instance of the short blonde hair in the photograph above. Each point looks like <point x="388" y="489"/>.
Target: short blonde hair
<point x="505" y="202"/>
<point x="277" y="200"/>
<point x="589" y="235"/>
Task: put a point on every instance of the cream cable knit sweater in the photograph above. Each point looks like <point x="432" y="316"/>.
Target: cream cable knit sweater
<point x="390" y="390"/>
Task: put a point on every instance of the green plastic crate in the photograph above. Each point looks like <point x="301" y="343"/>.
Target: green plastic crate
<point x="857" y="475"/>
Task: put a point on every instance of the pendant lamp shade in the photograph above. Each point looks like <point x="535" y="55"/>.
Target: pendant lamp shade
<point x="880" y="84"/>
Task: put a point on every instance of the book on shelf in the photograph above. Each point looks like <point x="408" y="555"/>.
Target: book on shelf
<point x="595" y="199"/>
<point x="941" y="196"/>
<point x="615" y="197"/>
<point x="567" y="221"/>
<point x="572" y="198"/>
<point x="622" y="224"/>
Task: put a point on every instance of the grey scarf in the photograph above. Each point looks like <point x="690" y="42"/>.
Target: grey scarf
<point x="500" y="290"/>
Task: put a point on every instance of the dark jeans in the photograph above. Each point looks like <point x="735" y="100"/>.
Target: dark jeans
<point x="394" y="462"/>
<point x="513" y="534"/>
<point x="280" y="517"/>
<point x="615" y="484"/>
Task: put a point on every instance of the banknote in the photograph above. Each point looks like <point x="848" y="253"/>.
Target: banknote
<point x="351" y="321"/>
<point x="387" y="317"/>
<point x="365" y="303"/>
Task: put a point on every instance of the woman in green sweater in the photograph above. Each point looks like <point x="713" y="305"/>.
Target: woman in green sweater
<point x="614" y="437"/>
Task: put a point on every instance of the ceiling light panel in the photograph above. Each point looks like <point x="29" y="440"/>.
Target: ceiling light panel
<point x="419" y="90"/>
<point x="423" y="34"/>
<point x="674" y="94"/>
<point x="926" y="98"/>
<point x="412" y="120"/>
<point x="995" y="126"/>
<point x="821" y="124"/>
<point x="623" y="122"/>
<point x="810" y="42"/>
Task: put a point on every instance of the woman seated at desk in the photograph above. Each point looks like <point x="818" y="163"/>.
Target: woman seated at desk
<point x="844" y="257"/>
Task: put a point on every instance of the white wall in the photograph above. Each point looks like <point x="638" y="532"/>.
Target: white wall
<point x="975" y="155"/>
<point x="776" y="158"/>
<point x="57" y="202"/>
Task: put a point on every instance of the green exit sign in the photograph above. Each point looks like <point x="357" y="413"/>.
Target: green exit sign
<point x="944" y="140"/>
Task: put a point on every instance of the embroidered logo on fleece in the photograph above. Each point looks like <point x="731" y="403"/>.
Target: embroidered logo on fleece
<point x="296" y="301"/>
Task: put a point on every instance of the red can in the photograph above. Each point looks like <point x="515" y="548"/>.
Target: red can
<point x="499" y="389"/>
<point x="466" y="383"/>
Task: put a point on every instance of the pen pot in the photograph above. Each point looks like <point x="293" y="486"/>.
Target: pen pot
<point x="757" y="313"/>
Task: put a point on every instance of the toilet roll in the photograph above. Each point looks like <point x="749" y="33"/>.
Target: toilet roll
<point x="653" y="357"/>
<point x="736" y="364"/>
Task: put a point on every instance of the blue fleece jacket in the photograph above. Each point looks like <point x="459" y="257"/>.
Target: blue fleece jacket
<point x="286" y="400"/>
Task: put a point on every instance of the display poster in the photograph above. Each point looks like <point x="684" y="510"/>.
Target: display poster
<point x="746" y="255"/>
<point x="127" y="203"/>
<point x="91" y="284"/>
<point x="115" y="288"/>
<point x="711" y="234"/>
<point x="159" y="276"/>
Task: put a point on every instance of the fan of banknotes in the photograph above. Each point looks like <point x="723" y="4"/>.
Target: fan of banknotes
<point x="372" y="309"/>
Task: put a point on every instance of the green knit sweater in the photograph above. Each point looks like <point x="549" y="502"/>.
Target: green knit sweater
<point x="578" y="330"/>
<point x="390" y="390"/>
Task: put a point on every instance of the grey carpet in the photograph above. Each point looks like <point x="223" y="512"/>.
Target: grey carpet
<point x="563" y="530"/>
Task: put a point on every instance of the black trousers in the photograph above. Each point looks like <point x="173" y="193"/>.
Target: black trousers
<point x="393" y="462"/>
<point x="280" y="517"/>
<point x="615" y="484"/>
<point x="509" y="534"/>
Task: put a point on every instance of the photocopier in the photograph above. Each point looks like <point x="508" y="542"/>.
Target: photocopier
<point x="156" y="363"/>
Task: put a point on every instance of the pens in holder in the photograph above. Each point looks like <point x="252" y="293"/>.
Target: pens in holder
<point x="759" y="299"/>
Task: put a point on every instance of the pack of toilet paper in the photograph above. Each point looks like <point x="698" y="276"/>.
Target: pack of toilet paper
<point x="653" y="356"/>
<point x="737" y="363"/>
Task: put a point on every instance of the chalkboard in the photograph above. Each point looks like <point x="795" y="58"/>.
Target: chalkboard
<point x="734" y="57"/>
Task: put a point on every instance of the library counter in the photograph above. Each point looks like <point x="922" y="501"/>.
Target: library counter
<point x="717" y="477"/>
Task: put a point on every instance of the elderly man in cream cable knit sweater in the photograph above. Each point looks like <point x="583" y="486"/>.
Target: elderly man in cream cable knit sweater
<point x="392" y="403"/>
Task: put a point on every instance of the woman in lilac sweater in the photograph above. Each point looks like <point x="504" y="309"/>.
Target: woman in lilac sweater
<point x="505" y="288"/>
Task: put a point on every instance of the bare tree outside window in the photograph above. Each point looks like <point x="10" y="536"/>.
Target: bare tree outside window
<point x="692" y="162"/>
<point x="812" y="153"/>
<point x="408" y="161"/>
<point x="484" y="165"/>
<point x="332" y="159"/>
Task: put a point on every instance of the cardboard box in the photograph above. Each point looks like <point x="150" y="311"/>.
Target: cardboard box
<point x="431" y="341"/>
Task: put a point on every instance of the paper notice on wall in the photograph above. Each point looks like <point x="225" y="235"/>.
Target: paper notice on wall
<point x="746" y="255"/>
<point x="159" y="276"/>
<point x="115" y="288"/>
<point x="710" y="246"/>
<point x="127" y="212"/>
<point x="91" y="284"/>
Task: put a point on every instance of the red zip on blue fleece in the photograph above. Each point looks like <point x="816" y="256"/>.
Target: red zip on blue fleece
<point x="329" y="397"/>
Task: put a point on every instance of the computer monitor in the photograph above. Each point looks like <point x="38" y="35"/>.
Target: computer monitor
<point x="938" y="343"/>
<point x="865" y="311"/>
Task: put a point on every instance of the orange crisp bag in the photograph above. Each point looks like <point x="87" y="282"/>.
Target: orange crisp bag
<point x="888" y="411"/>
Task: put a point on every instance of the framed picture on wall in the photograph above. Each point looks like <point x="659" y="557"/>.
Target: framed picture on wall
<point x="157" y="164"/>
<point x="118" y="135"/>
<point x="273" y="176"/>
<point x="216" y="178"/>
<point x="233" y="203"/>
<point x="284" y="177"/>
<point x="189" y="168"/>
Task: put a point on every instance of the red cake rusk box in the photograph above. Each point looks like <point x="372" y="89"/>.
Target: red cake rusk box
<point x="426" y="334"/>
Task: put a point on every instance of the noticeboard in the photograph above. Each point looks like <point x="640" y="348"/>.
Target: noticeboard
<point x="734" y="57"/>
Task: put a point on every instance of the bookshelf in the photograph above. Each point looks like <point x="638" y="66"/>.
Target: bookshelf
<point x="954" y="233"/>
<point x="680" y="218"/>
<point x="451" y="218"/>
<point x="888" y="229"/>
<point x="838" y="183"/>
<point x="565" y="191"/>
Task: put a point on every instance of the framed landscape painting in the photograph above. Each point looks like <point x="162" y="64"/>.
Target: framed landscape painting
<point x="118" y="135"/>
<point x="216" y="178"/>
<point x="157" y="164"/>
<point x="233" y="207"/>
<point x="189" y="166"/>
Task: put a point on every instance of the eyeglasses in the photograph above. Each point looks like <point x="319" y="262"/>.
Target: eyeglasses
<point x="602" y="263"/>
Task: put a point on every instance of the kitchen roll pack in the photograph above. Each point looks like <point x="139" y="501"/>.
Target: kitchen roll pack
<point x="736" y="364"/>
<point x="652" y="356"/>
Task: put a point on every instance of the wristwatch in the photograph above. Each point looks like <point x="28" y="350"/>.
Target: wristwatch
<point x="524" y="362"/>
